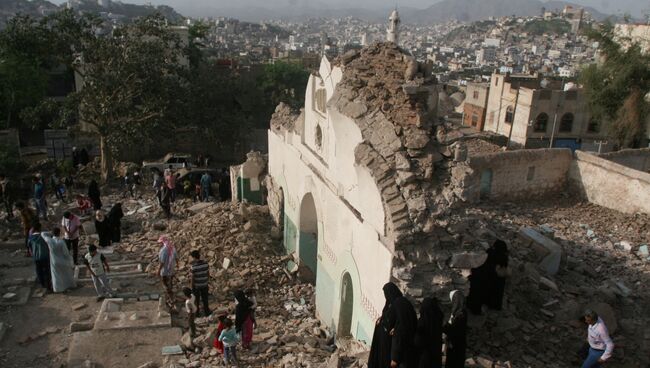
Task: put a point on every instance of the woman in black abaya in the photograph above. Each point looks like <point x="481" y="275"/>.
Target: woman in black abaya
<point x="487" y="282"/>
<point x="456" y="331"/>
<point x="392" y="341"/>
<point x="428" y="338"/>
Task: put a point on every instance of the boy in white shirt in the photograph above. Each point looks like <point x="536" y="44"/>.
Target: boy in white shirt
<point x="190" y="308"/>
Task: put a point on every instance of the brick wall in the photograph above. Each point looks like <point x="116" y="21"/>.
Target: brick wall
<point x="609" y="184"/>
<point x="471" y="110"/>
<point x="512" y="174"/>
<point x="637" y="159"/>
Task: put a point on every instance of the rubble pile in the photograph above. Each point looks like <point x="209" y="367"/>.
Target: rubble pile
<point x="603" y="267"/>
<point x="243" y="250"/>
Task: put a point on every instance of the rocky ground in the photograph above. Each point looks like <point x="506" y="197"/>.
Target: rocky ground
<point x="606" y="265"/>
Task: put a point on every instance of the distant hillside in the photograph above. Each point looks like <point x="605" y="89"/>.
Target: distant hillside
<point x="8" y="8"/>
<point x="473" y="10"/>
<point x="38" y="8"/>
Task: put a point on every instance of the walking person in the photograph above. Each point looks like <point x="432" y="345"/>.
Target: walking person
<point x="95" y="195"/>
<point x="167" y="270"/>
<point x="41" y="255"/>
<point x="157" y="185"/>
<point x="166" y="201"/>
<point x="115" y="216"/>
<point x="206" y="182"/>
<point x="601" y="345"/>
<point x="27" y="219"/>
<point x="6" y="195"/>
<point x="170" y="182"/>
<point x="244" y="318"/>
<point x="222" y="316"/>
<point x="428" y="337"/>
<point x="98" y="267"/>
<point x="199" y="280"/>
<point x="103" y="229"/>
<point x="71" y="225"/>
<point x="225" y="193"/>
<point x="456" y="331"/>
<point x="229" y="337"/>
<point x="190" y="308"/>
<point x="39" y="197"/>
<point x="61" y="263"/>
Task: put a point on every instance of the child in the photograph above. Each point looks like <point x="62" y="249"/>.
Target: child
<point x="84" y="205"/>
<point x="222" y="316"/>
<point x="98" y="267"/>
<point x="190" y="308"/>
<point x="230" y="338"/>
<point x="250" y="294"/>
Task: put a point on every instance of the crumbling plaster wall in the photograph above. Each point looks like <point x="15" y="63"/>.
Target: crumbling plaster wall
<point x="610" y="184"/>
<point x="637" y="159"/>
<point x="514" y="174"/>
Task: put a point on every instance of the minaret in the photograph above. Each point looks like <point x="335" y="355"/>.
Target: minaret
<point x="392" y="35"/>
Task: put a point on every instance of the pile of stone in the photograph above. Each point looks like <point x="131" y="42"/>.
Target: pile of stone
<point x="600" y="267"/>
<point x="244" y="251"/>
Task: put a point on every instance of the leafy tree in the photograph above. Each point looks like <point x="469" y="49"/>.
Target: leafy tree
<point x="131" y="82"/>
<point x="616" y="86"/>
<point x="284" y="82"/>
<point x="30" y="49"/>
<point x="197" y="33"/>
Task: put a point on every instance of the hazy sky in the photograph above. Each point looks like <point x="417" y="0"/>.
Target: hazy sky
<point x="635" y="7"/>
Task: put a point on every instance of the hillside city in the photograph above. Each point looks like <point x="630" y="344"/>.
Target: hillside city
<point x="347" y="190"/>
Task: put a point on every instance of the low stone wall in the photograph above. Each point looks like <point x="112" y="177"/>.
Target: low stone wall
<point x="609" y="184"/>
<point x="637" y="159"/>
<point x="512" y="174"/>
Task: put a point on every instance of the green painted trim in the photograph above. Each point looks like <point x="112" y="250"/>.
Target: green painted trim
<point x="244" y="192"/>
<point x="290" y="234"/>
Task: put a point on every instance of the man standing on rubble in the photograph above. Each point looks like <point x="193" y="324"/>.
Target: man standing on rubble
<point x="167" y="269"/>
<point x="600" y="344"/>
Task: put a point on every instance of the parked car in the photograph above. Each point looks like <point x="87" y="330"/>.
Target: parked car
<point x="175" y="160"/>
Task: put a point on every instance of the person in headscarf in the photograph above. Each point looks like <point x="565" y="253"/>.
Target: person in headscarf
<point x="61" y="263"/>
<point x="115" y="221"/>
<point x="167" y="257"/>
<point x="95" y="195"/>
<point x="428" y="338"/>
<point x="165" y="201"/>
<point x="456" y="331"/>
<point x="103" y="229"/>
<point x="487" y="282"/>
<point x="393" y="339"/>
<point x="244" y="318"/>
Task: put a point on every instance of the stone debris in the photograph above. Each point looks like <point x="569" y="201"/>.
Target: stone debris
<point x="236" y="244"/>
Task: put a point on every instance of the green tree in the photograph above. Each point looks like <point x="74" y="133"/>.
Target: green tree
<point x="284" y="82"/>
<point x="131" y="84"/>
<point x="616" y="86"/>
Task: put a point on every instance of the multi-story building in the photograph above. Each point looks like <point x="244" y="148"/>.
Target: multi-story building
<point x="475" y="104"/>
<point x="536" y="113"/>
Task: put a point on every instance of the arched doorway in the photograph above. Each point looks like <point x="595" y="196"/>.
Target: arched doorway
<point x="347" y="306"/>
<point x="308" y="241"/>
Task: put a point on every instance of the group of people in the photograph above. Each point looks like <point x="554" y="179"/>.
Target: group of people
<point x="402" y="340"/>
<point x="229" y="334"/>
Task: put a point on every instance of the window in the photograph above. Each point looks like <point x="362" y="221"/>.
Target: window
<point x="475" y="95"/>
<point x="594" y="126"/>
<point x="541" y="122"/>
<point x="474" y="119"/>
<point x="496" y="81"/>
<point x="571" y="95"/>
<point x="319" y="137"/>
<point x="510" y="114"/>
<point x="566" y="124"/>
<point x="531" y="173"/>
<point x="320" y="98"/>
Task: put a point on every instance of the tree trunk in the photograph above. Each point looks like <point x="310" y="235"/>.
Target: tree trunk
<point x="107" y="160"/>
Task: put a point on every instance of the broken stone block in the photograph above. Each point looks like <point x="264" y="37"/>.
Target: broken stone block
<point x="81" y="326"/>
<point x="467" y="260"/>
<point x="549" y="251"/>
<point x="79" y="306"/>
